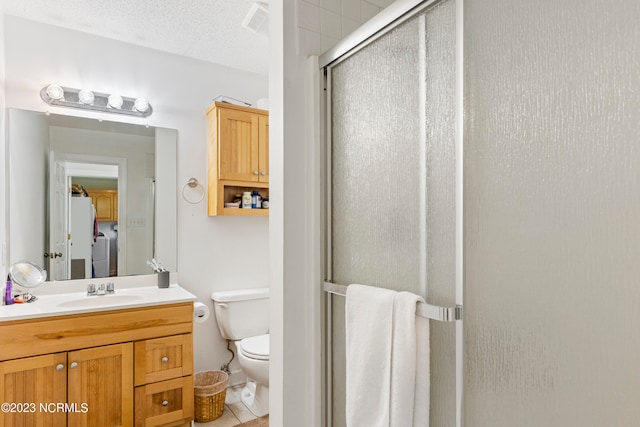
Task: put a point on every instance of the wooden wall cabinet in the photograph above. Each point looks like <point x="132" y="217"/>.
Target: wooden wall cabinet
<point x="105" y="203"/>
<point x="117" y="368"/>
<point x="238" y="156"/>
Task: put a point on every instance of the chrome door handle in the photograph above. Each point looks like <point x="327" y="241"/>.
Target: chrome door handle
<point x="53" y="254"/>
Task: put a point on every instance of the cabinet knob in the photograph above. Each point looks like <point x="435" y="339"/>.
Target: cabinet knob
<point x="255" y="172"/>
<point x="165" y="402"/>
<point x="165" y="359"/>
<point x="263" y="173"/>
<point x="73" y="365"/>
<point x="59" y="367"/>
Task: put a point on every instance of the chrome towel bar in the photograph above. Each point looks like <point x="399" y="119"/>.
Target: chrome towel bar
<point x="434" y="312"/>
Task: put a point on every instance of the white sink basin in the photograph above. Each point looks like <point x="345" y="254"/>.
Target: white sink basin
<point x="101" y="300"/>
<point x="70" y="297"/>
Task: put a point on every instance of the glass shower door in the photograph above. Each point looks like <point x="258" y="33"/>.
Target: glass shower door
<point x="392" y="188"/>
<point x="551" y="205"/>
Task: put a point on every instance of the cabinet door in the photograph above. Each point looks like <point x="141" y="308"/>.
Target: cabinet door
<point x="30" y="383"/>
<point x="164" y="358"/>
<point x="102" y="378"/>
<point x="103" y="202"/>
<point x="238" y="145"/>
<point x="159" y="404"/>
<point x="263" y="152"/>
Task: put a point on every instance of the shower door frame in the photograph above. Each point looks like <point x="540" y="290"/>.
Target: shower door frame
<point x="388" y="19"/>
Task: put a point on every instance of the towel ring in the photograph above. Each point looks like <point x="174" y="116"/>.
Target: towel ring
<point x="193" y="183"/>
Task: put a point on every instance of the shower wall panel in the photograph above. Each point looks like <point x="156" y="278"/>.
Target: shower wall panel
<point x="552" y="208"/>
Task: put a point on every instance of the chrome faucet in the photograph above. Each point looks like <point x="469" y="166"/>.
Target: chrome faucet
<point x="103" y="289"/>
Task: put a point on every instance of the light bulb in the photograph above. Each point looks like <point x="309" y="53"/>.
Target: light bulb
<point x="115" y="101"/>
<point x="55" y="92"/>
<point x="141" y="105"/>
<point x="86" y="97"/>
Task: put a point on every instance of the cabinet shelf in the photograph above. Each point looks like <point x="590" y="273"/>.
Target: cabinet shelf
<point x="244" y="212"/>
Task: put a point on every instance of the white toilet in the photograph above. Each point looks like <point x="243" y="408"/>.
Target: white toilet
<point x="243" y="317"/>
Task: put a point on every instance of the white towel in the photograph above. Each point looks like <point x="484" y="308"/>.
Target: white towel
<point x="387" y="359"/>
<point x="410" y="364"/>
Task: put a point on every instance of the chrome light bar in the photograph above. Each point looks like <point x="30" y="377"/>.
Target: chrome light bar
<point x="95" y="101"/>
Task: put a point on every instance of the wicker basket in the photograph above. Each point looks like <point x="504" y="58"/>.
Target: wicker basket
<point x="210" y="390"/>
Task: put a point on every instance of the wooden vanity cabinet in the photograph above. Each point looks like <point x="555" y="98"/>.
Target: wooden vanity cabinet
<point x="238" y="156"/>
<point x="95" y="384"/>
<point x="112" y="368"/>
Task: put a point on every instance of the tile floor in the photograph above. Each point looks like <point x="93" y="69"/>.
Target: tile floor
<point x="234" y="411"/>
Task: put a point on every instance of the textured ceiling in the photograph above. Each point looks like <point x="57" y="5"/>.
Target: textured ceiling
<point x="210" y="30"/>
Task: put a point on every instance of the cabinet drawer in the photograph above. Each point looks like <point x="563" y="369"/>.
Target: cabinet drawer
<point x="161" y="359"/>
<point x="166" y="402"/>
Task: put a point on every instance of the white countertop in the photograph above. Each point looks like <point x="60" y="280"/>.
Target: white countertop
<point x="128" y="294"/>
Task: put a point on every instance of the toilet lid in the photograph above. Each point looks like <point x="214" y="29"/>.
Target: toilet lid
<point x="256" y="347"/>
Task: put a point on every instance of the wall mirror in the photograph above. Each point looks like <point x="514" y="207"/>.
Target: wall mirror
<point x="87" y="197"/>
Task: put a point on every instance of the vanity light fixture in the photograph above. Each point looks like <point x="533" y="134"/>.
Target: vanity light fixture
<point x="115" y="101"/>
<point x="54" y="92"/>
<point x="141" y="105"/>
<point x="88" y="100"/>
<point x="86" y="97"/>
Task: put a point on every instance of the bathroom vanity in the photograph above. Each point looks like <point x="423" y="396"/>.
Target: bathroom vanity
<point x="114" y="360"/>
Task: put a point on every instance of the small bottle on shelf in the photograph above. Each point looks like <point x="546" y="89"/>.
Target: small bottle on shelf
<point x="246" y="200"/>
<point x="254" y="199"/>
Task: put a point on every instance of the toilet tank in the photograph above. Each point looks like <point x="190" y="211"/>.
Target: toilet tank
<point x="242" y="313"/>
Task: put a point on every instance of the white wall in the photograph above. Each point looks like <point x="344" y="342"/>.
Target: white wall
<point x="322" y="23"/>
<point x="213" y="253"/>
<point x="294" y="227"/>
<point x="4" y="212"/>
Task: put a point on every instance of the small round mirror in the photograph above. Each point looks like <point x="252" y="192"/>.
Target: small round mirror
<point x="27" y="274"/>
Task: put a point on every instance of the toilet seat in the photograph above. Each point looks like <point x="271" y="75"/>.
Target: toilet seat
<point x="256" y="348"/>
